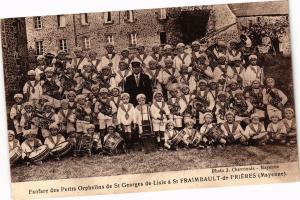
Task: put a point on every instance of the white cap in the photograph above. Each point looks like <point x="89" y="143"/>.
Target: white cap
<point x="31" y="73"/>
<point x="252" y="57"/>
<point x="40" y="57"/>
<point x="167" y="46"/>
<point x="125" y="94"/>
<point x="103" y="90"/>
<point x="180" y="45"/>
<point x="195" y="43"/>
<point x="18" y="95"/>
<point x="140" y="96"/>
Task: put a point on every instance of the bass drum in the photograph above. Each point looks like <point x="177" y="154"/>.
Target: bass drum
<point x="39" y="153"/>
<point x="114" y="144"/>
<point x="15" y="155"/>
<point x="62" y="148"/>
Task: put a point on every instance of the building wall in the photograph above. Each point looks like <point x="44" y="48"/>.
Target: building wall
<point x="15" y="53"/>
<point x="50" y="33"/>
<point x="146" y="25"/>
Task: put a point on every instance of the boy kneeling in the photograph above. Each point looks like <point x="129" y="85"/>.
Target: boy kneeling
<point x="232" y="129"/>
<point x="276" y="130"/>
<point x="172" y="139"/>
<point x="255" y="132"/>
<point x="192" y="136"/>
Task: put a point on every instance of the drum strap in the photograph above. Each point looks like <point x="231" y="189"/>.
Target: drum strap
<point x="253" y="129"/>
<point x="116" y="103"/>
<point x="157" y="106"/>
<point x="234" y="128"/>
<point x="140" y="108"/>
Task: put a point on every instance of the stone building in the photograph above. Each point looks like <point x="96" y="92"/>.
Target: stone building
<point x="126" y="29"/>
<point x="15" y="54"/>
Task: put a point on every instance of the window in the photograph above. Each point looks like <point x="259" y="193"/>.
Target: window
<point x="63" y="45"/>
<point x="84" y="19"/>
<point x="3" y="34"/>
<point x="61" y="21"/>
<point x="108" y="17"/>
<point x="163" y="13"/>
<point x="39" y="47"/>
<point x="129" y="16"/>
<point x="87" y="43"/>
<point x="132" y="39"/>
<point x="163" y="37"/>
<point x="110" y="39"/>
<point x="37" y="22"/>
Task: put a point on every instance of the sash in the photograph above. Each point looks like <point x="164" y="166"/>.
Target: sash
<point x="32" y="86"/>
<point x="126" y="110"/>
<point x="187" y="101"/>
<point x="289" y="128"/>
<point x="78" y="62"/>
<point x="168" y="72"/>
<point x="123" y="76"/>
<point x="253" y="129"/>
<point x="161" y="109"/>
<point x="256" y="72"/>
<point x="186" y="80"/>
<point x="97" y="63"/>
<point x="65" y="115"/>
<point x="273" y="130"/>
<point x="58" y="139"/>
<point x="140" y="58"/>
<point x="183" y="58"/>
<point x="236" y="71"/>
<point x="155" y="58"/>
<point x="234" y="128"/>
<point x="224" y="70"/>
<point x="35" y="144"/>
<point x="118" y="101"/>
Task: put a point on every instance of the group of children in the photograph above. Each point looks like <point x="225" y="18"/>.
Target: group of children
<point x="202" y="97"/>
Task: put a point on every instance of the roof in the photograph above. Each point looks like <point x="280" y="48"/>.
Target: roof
<point x="269" y="8"/>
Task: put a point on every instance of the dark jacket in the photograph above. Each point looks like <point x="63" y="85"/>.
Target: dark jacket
<point x="144" y="87"/>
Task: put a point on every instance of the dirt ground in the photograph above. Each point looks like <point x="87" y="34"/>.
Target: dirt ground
<point x="160" y="161"/>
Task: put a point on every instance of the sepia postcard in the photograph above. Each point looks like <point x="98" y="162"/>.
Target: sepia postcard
<point x="149" y="100"/>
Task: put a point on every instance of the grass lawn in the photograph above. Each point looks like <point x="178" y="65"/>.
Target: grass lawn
<point x="160" y="161"/>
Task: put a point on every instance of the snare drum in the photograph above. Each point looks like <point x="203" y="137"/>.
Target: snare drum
<point x="39" y="153"/>
<point x="62" y="148"/>
<point x="15" y="155"/>
<point x="177" y="138"/>
<point x="114" y="143"/>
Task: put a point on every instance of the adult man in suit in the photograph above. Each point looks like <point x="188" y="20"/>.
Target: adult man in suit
<point x="138" y="83"/>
